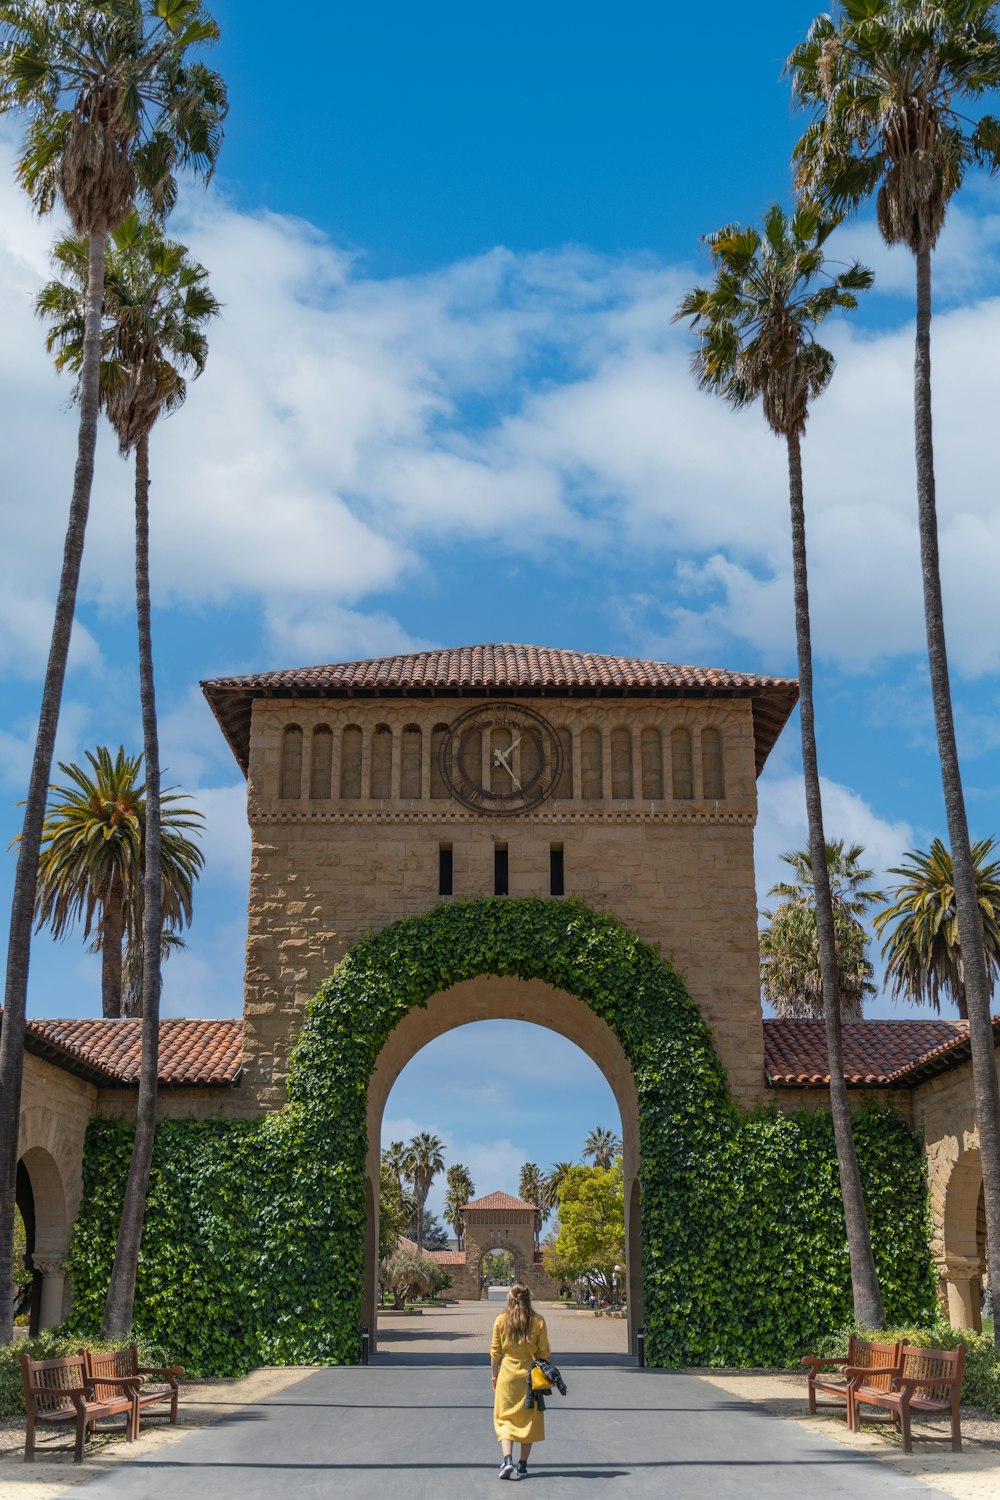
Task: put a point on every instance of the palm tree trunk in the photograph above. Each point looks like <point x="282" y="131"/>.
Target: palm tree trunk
<point x="26" y="875"/>
<point x="121" y="1292"/>
<point x="970" y="926"/>
<point x="868" y="1308"/>
<point x="112" y="936"/>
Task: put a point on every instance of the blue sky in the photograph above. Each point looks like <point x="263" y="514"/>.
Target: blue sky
<point x="446" y="404"/>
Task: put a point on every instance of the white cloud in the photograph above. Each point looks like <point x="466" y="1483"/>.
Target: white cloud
<point x="348" y="426"/>
<point x="782" y="826"/>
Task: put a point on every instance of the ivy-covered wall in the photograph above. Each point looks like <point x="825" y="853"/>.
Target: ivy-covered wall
<point x="253" y="1247"/>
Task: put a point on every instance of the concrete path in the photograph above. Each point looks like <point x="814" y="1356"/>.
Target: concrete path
<point x="420" y="1426"/>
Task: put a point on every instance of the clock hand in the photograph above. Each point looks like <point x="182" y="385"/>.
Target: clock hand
<point x="500" y="759"/>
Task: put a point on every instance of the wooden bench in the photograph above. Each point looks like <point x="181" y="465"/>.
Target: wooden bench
<point x="106" y="1372"/>
<point x="56" y="1392"/>
<point x="929" y="1384"/>
<point x="836" y="1377"/>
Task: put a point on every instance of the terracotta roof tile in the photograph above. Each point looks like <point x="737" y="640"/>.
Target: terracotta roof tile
<point x="876" y="1053"/>
<point x="500" y="1200"/>
<point x="499" y="668"/>
<point x="192" y="1053"/>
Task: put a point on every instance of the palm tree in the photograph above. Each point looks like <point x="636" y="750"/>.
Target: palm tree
<point x="156" y="303"/>
<point x="554" y="1181"/>
<point x="93" y="856"/>
<point x="790" y="972"/>
<point x="394" y="1157"/>
<point x="923" y="951"/>
<point x="532" y="1190"/>
<point x="894" y="86"/>
<point x="603" y="1146"/>
<point x="460" y="1191"/>
<point x="757" y="342"/>
<point x="115" y="105"/>
<point x="424" y="1160"/>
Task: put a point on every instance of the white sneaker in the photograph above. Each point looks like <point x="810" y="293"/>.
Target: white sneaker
<point x="507" y="1470"/>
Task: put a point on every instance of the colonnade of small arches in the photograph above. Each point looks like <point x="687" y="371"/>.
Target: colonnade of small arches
<point x="598" y="764"/>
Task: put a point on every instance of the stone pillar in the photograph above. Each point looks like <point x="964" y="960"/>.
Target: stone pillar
<point x="961" y="1275"/>
<point x="53" y="1274"/>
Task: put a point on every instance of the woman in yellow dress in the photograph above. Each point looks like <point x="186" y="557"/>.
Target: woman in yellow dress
<point x="519" y="1338"/>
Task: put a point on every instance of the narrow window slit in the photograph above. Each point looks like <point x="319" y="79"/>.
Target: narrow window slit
<point x="557" y="871"/>
<point x="446" y="870"/>
<point x="501" y="872"/>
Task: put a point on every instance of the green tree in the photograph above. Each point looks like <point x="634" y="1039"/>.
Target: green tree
<point x="409" y="1274"/>
<point x="93" y="856"/>
<point x="894" y="88"/>
<point x="757" y="327"/>
<point x="459" y="1193"/>
<point x="602" y="1146"/>
<point x="923" y="950"/>
<point x="424" y="1160"/>
<point x="790" y="972"/>
<point x="590" y="1244"/>
<point x="156" y="305"/>
<point x="115" y="103"/>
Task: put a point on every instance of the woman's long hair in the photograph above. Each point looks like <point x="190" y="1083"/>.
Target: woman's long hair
<point x="517" y="1314"/>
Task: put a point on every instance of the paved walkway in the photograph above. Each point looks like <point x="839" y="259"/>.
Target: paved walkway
<point x="418" y="1423"/>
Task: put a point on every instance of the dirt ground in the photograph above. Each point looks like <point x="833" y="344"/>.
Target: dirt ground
<point x="973" y="1474"/>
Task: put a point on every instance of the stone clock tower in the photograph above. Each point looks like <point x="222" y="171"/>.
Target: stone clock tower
<point x="378" y="788"/>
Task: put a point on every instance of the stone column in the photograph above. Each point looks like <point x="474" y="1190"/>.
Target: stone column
<point x="53" y="1274"/>
<point x="961" y="1275"/>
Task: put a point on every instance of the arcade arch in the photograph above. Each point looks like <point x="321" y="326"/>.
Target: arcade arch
<point x="491" y="997"/>
<point x="41" y="1197"/>
<point x="964" y="1236"/>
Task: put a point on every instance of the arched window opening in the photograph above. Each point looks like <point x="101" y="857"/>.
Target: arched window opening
<point x="591" y="764"/>
<point x="651" y="751"/>
<point x="321" y="770"/>
<point x="713" y="774"/>
<point x="291" y="762"/>
<point x="680" y="762"/>
<point x="350" y="762"/>
<point x="438" y="788"/>
<point x="621" y="764"/>
<point x="411" y="762"/>
<point x="564" y="786"/>
<point x="382" y="762"/>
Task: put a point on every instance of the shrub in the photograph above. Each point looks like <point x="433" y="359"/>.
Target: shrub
<point x="981" y="1382"/>
<point x="57" y="1344"/>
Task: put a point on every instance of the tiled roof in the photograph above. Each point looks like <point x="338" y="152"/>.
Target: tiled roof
<point x="442" y="1257"/>
<point x="501" y="1200"/>
<point x="876" y="1053"/>
<point x="108" y="1053"/>
<point x="500" y="669"/>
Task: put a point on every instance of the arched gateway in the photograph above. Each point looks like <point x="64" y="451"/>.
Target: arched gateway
<point x="499" y="831"/>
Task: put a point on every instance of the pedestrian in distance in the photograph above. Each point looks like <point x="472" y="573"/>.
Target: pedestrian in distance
<point x="519" y="1338"/>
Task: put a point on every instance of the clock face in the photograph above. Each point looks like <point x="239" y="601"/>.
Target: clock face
<point x="501" y="758"/>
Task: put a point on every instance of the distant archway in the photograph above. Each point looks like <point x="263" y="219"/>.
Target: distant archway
<point x="492" y="997"/>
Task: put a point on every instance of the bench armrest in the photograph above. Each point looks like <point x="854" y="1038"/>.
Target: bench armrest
<point x="129" y="1381"/>
<point x="858" y="1372"/>
<point x="819" y="1364"/>
<point x="167" y="1370"/>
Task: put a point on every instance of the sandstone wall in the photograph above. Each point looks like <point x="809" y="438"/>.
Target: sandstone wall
<point x="677" y="868"/>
